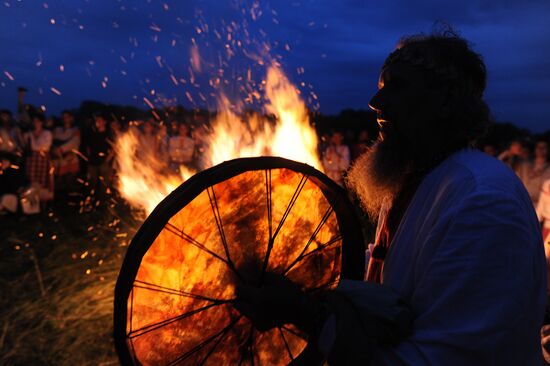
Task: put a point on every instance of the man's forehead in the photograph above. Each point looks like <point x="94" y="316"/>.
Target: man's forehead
<point x="401" y="70"/>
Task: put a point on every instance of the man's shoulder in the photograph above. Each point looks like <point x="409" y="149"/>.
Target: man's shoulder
<point x="477" y="171"/>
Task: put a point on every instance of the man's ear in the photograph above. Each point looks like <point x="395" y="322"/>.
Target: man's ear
<point x="446" y="100"/>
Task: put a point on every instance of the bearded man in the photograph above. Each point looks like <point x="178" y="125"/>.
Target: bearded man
<point x="457" y="271"/>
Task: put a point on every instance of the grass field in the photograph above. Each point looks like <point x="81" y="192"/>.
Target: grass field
<point x="57" y="274"/>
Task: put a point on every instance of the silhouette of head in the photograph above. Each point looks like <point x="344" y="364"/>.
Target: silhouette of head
<point x="429" y="105"/>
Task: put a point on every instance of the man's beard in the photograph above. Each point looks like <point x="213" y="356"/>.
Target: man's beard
<point x="379" y="173"/>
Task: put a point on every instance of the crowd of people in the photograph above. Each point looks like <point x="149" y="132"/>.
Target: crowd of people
<point x="46" y="159"/>
<point x="62" y="158"/>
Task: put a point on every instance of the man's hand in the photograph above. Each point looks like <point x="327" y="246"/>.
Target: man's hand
<point x="278" y="301"/>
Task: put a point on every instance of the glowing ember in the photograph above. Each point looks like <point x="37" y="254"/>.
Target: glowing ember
<point x="144" y="183"/>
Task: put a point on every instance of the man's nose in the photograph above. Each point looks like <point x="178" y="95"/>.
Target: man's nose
<point x="376" y="102"/>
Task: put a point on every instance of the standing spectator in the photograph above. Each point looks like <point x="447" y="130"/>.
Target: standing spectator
<point x="116" y="130"/>
<point x="543" y="209"/>
<point x="38" y="165"/>
<point x="163" y="140"/>
<point x="336" y="158"/>
<point x="200" y="137"/>
<point x="148" y="142"/>
<point x="490" y="149"/>
<point x="50" y="124"/>
<point x="181" y="148"/>
<point x="24" y="111"/>
<point x="99" y="153"/>
<point x="534" y="172"/>
<point x="66" y="141"/>
<point x="361" y="145"/>
<point x="513" y="156"/>
<point x="173" y="128"/>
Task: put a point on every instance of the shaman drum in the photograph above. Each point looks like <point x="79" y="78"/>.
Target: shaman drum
<point x="227" y="225"/>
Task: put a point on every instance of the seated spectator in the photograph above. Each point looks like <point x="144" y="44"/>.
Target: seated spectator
<point x="336" y="158"/>
<point x="181" y="148"/>
<point x="12" y="183"/>
<point x="533" y="172"/>
<point x="9" y="134"/>
<point x="38" y="166"/>
<point x="66" y="142"/>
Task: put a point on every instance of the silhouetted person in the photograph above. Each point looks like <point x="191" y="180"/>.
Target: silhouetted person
<point x="99" y="153"/>
<point x="181" y="148"/>
<point x="457" y="273"/>
<point x="534" y="171"/>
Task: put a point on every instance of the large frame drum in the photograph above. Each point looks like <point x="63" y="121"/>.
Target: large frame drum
<point x="227" y="225"/>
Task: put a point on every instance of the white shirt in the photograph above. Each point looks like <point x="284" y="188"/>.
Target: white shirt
<point x="42" y="143"/>
<point x="468" y="257"/>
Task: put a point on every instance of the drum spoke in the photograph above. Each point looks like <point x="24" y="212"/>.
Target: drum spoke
<point x="201" y="345"/>
<point x="179" y="232"/>
<point x="248" y="349"/>
<point x="312" y="237"/>
<point x="219" y="224"/>
<point x="322" y="247"/>
<point x="269" y="223"/>
<point x="269" y="201"/>
<point x="225" y="332"/>
<point x="293" y="200"/>
<point x="286" y="343"/>
<point x="151" y="327"/>
<point x="292" y="331"/>
<point x="171" y="291"/>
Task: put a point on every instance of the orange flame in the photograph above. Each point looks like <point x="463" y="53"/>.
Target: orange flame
<point x="143" y="182"/>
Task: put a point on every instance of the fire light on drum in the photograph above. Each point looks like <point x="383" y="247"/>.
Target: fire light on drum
<point x="224" y="226"/>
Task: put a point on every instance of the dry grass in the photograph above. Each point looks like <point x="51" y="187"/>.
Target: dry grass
<point x="77" y="258"/>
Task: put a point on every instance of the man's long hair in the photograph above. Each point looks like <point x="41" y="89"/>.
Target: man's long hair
<point x="449" y="60"/>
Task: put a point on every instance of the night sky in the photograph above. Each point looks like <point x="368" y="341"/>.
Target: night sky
<point x="121" y="52"/>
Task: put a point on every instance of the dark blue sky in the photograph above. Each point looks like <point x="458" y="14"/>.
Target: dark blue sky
<point x="120" y="51"/>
